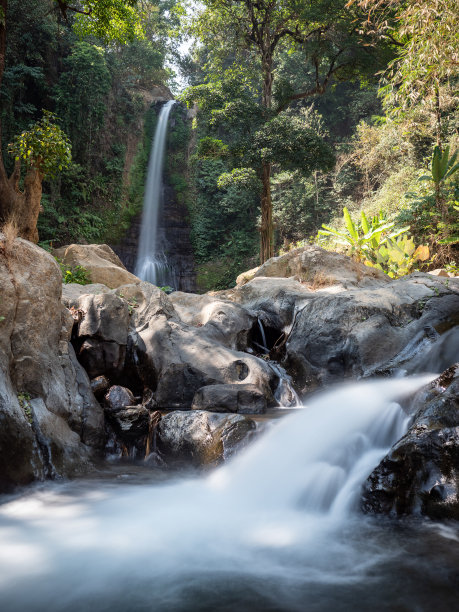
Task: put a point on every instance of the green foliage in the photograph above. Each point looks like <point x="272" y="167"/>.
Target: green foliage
<point x="363" y="240"/>
<point x="286" y="140"/>
<point x="44" y="146"/>
<point x="74" y="274"/>
<point x="398" y="256"/>
<point x="211" y="147"/>
<point x="81" y="95"/>
<point x="443" y="166"/>
<point x="108" y="20"/>
<point x="24" y="401"/>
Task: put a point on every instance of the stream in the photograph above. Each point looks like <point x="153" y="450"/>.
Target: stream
<point x="276" y="528"/>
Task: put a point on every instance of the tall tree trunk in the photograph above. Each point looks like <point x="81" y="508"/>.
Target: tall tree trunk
<point x="267" y="228"/>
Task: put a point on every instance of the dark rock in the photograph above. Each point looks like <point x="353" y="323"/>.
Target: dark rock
<point x="178" y="385"/>
<point x="202" y="438"/>
<point x="244" y="399"/>
<point x="99" y="385"/>
<point x="420" y="474"/>
<point x="99" y="357"/>
<point x="132" y="423"/>
<point x="118" y="398"/>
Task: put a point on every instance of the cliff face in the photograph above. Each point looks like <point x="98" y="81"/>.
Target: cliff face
<point x="173" y="227"/>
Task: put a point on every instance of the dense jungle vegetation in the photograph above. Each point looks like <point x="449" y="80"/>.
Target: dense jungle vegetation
<point x="304" y="110"/>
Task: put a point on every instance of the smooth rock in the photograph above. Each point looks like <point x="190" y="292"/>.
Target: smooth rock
<point x="360" y="331"/>
<point x="244" y="399"/>
<point x="103" y="265"/>
<point x="38" y="362"/>
<point x="202" y="438"/>
<point x="319" y="268"/>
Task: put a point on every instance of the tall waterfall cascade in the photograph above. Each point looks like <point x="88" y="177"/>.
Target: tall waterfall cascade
<point x="152" y="265"/>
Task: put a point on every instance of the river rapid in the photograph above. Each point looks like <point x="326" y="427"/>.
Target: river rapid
<point x="277" y="528"/>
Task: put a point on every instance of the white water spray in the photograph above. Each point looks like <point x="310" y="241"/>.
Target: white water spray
<point x="151" y="265"/>
<point x="278" y="517"/>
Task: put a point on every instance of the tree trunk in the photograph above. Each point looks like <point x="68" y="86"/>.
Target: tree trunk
<point x="267" y="228"/>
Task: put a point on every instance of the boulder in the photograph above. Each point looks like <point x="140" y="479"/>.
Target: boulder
<point x="358" y="332"/>
<point x="318" y="268"/>
<point x="244" y="399"/>
<point x="202" y="438"/>
<point x="99" y="385"/>
<point x="38" y="363"/>
<point x="102" y="333"/>
<point x="61" y="449"/>
<point x="119" y="398"/>
<point x="227" y="322"/>
<point x="420" y="474"/>
<point x="103" y="265"/>
<point x="131" y="423"/>
<point x="273" y="300"/>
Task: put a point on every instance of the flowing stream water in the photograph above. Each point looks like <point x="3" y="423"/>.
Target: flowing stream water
<point x="277" y="528"/>
<point x="152" y="265"/>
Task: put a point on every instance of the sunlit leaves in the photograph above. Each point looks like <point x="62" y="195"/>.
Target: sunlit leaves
<point x="44" y="146"/>
<point x="108" y="20"/>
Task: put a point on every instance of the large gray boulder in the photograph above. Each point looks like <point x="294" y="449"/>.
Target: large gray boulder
<point x="38" y="363"/>
<point x="202" y="438"/>
<point x="360" y="332"/>
<point x="420" y="474"/>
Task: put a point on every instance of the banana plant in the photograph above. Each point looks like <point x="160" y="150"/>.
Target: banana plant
<point x="364" y="240"/>
<point x="399" y="255"/>
<point x="443" y="167"/>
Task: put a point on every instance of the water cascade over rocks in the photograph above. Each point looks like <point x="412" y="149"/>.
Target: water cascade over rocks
<point x="152" y="266"/>
<point x="275" y="529"/>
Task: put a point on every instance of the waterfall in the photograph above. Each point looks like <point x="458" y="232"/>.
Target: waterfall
<point x="275" y="529"/>
<point x="152" y="265"/>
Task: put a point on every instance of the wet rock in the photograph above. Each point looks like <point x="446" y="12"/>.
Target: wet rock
<point x="99" y="385"/>
<point x="178" y="385"/>
<point x="61" y="449"/>
<point x="118" y="398"/>
<point x="358" y="332"/>
<point x="102" y="264"/>
<point x="420" y="474"/>
<point x="131" y="423"/>
<point x="202" y="438"/>
<point x="244" y="399"/>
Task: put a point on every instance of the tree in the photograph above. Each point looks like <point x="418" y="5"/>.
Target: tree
<point x="109" y="19"/>
<point x="325" y="33"/>
<point x="424" y="73"/>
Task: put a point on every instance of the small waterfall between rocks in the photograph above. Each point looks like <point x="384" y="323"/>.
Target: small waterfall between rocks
<point x="152" y="266"/>
<point x="277" y="528"/>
